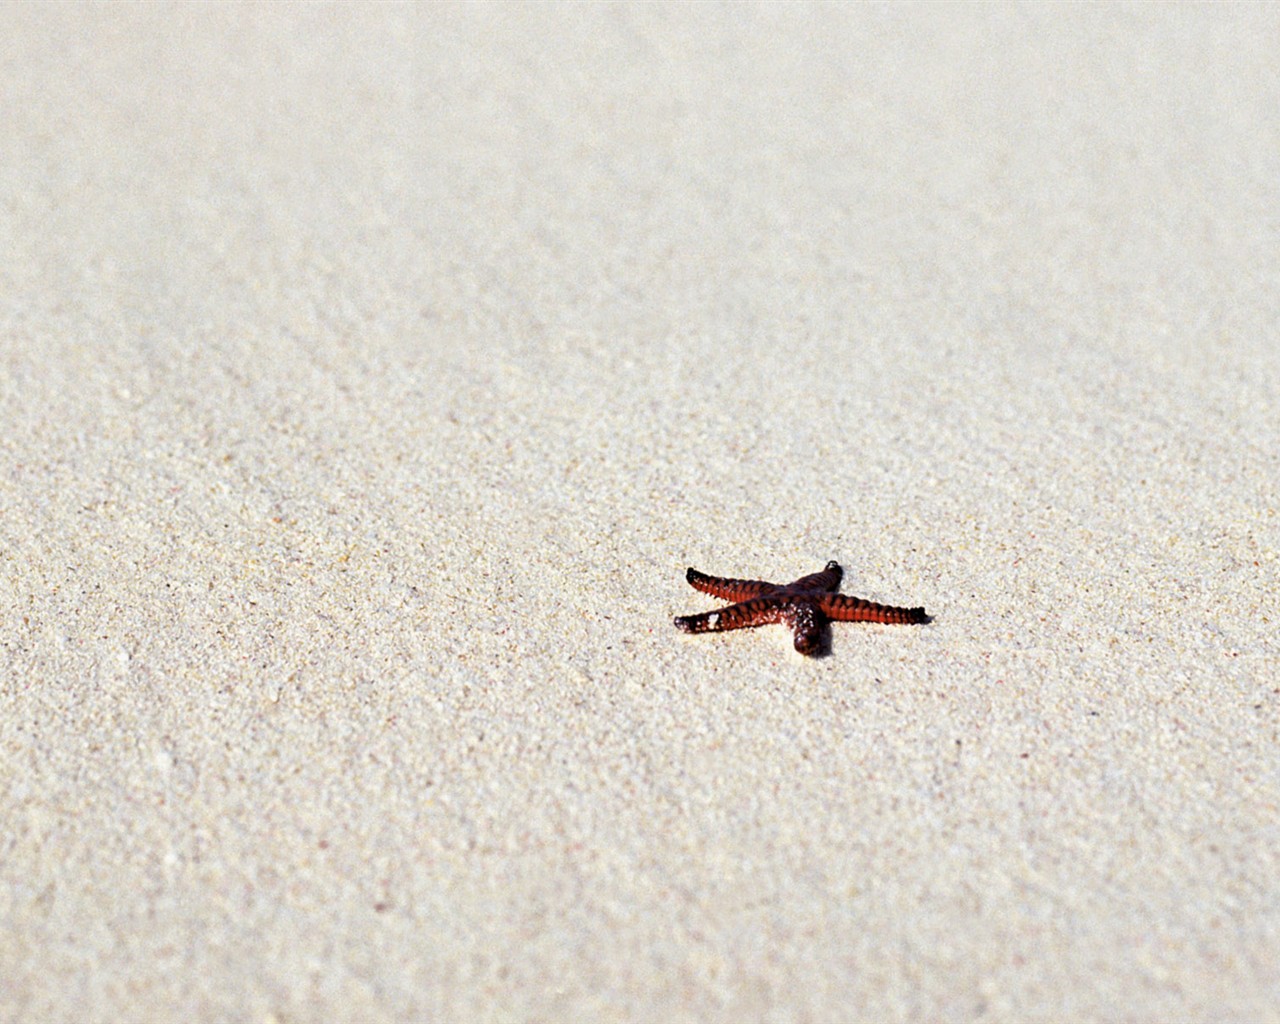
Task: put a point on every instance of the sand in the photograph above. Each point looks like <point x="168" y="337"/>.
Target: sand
<point x="369" y="377"/>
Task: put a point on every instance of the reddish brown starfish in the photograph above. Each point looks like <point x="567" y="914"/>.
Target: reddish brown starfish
<point x="806" y="606"/>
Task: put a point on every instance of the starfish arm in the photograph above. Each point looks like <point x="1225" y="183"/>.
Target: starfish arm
<point x="759" y="612"/>
<point x="828" y="579"/>
<point x="843" y="608"/>
<point x="807" y="625"/>
<point x="728" y="589"/>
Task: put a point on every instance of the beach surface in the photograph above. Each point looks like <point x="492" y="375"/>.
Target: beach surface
<point x="369" y="378"/>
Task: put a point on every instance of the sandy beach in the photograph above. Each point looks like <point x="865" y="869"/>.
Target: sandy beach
<point x="371" y="375"/>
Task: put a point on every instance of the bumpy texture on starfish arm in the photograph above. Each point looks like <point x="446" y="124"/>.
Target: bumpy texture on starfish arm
<point x="806" y="606"/>
<point x="730" y="590"/>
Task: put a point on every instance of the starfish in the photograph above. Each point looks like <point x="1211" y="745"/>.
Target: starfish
<point x="806" y="606"/>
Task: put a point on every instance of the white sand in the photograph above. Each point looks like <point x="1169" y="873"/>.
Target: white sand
<point x="369" y="377"/>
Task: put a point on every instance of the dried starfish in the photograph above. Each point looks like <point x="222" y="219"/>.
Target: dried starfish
<point x="806" y="606"/>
